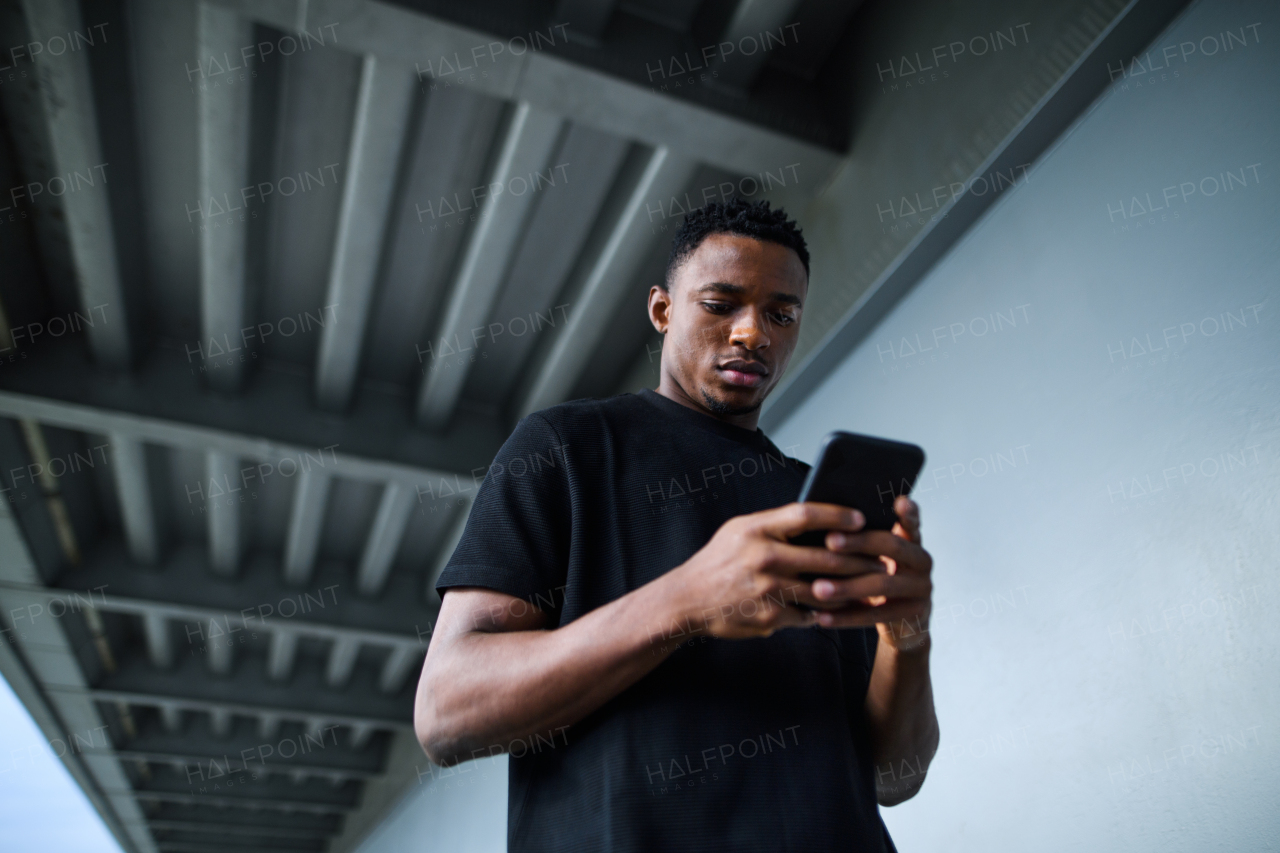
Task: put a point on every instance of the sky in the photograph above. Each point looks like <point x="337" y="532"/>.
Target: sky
<point x="41" y="806"/>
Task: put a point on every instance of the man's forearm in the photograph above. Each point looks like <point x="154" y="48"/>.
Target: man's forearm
<point x="903" y="723"/>
<point x="488" y="689"/>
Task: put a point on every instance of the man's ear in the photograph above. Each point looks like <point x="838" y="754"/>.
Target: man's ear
<point x="659" y="308"/>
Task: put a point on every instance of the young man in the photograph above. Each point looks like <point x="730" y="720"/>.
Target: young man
<point x="625" y="616"/>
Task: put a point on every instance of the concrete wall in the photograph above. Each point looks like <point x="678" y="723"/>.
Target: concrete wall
<point x="1097" y="389"/>
<point x="462" y="809"/>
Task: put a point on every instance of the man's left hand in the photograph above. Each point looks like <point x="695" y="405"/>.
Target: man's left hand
<point x="897" y="600"/>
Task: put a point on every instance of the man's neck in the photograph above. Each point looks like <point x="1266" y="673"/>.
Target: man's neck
<point x="672" y="390"/>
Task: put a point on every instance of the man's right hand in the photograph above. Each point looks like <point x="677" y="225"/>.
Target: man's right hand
<point x="746" y="582"/>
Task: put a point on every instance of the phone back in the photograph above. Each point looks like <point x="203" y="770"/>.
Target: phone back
<point x="864" y="473"/>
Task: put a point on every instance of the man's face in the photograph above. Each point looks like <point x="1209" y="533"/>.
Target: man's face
<point x="731" y="319"/>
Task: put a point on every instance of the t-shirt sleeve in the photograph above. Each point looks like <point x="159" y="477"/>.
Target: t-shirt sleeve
<point x="516" y="539"/>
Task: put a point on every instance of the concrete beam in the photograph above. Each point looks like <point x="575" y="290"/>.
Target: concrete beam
<point x="159" y="639"/>
<point x="242" y="815"/>
<point x="239" y="829"/>
<point x="272" y="421"/>
<point x="223" y="115"/>
<point x="268" y="725"/>
<point x="341" y="662"/>
<point x="246" y="815"/>
<point x="586" y="19"/>
<point x="249" y="691"/>
<point x="398" y="666"/>
<point x="403" y="651"/>
<point x="689" y="130"/>
<point x="751" y="19"/>
<point x="220" y="713"/>
<point x="223" y="481"/>
<point x="66" y="94"/>
<point x="284" y="646"/>
<point x="220" y="654"/>
<point x="607" y="278"/>
<point x="306" y="523"/>
<point x="183" y="590"/>
<point x="526" y="151"/>
<point x="230" y="762"/>
<point x="129" y="467"/>
<point x="298" y="627"/>
<point x="265" y="788"/>
<point x="226" y="801"/>
<point x="360" y="735"/>
<point x="553" y="84"/>
<point x="382" y="114"/>
<point x="223" y="830"/>
<point x="171" y="717"/>
<point x="340" y="754"/>
<point x="394" y="510"/>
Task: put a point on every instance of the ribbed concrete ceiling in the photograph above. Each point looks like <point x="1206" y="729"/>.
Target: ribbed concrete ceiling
<point x="313" y="260"/>
<point x="277" y="277"/>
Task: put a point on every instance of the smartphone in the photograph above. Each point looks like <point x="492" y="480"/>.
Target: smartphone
<point x="863" y="473"/>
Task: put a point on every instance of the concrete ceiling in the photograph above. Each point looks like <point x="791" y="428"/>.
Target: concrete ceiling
<point x="313" y="261"/>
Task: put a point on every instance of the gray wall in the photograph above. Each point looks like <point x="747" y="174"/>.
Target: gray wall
<point x="1097" y="392"/>
<point x="461" y="809"/>
<point x="1103" y="518"/>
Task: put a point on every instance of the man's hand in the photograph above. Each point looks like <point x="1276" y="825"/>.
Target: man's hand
<point x="746" y="582"/>
<point x="896" y="598"/>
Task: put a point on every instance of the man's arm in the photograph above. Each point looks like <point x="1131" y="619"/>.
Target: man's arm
<point x="899" y="705"/>
<point x="491" y="677"/>
<point x="904" y="726"/>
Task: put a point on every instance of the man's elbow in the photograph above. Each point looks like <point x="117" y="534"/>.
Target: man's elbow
<point x="442" y="748"/>
<point x="434" y="736"/>
<point x="429" y="738"/>
<point x="899" y="792"/>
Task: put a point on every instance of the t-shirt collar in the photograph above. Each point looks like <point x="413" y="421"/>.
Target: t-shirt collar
<point x="755" y="437"/>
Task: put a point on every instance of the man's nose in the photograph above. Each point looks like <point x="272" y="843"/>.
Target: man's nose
<point x="750" y="329"/>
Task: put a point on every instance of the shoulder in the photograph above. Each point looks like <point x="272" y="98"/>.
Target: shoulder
<point x="589" y="415"/>
<point x="578" y="429"/>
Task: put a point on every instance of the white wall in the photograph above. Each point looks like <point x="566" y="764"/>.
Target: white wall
<point x="461" y="809"/>
<point x="1105" y="658"/>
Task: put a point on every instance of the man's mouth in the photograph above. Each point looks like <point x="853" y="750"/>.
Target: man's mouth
<point x="747" y="374"/>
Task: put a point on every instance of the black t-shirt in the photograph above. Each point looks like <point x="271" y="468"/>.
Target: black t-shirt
<point x="727" y="745"/>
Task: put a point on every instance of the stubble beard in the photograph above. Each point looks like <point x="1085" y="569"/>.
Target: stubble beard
<point x="723" y="409"/>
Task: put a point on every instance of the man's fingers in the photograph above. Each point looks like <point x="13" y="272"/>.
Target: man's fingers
<point x="784" y="593"/>
<point x="788" y="593"/>
<point x="831" y="591"/>
<point x="883" y="543"/>
<point x="906" y="617"/>
<point x="794" y="560"/>
<point x="793" y="519"/>
<point x="908" y="525"/>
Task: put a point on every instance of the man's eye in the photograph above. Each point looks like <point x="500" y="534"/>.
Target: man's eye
<point x="783" y="319"/>
<point x="716" y="307"/>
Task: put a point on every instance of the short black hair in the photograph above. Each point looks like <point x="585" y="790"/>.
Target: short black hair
<point x="736" y="216"/>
